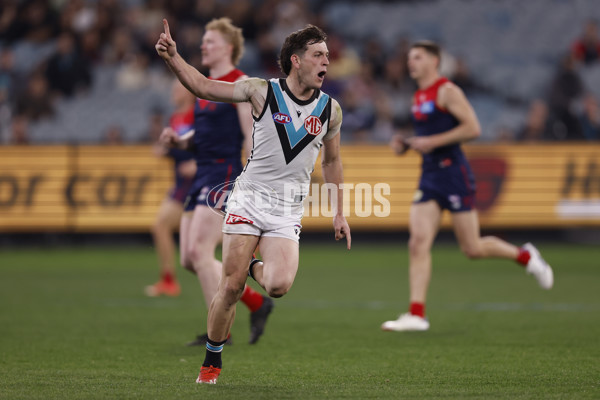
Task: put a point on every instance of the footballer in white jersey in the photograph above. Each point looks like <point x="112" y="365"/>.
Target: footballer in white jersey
<point x="288" y="135"/>
<point x="293" y="119"/>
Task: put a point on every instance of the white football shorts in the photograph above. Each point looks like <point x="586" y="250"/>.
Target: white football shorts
<point x="244" y="217"/>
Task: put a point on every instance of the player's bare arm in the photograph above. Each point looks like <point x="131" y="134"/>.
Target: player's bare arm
<point x="256" y="90"/>
<point x="244" y="111"/>
<point x="333" y="172"/>
<point x="197" y="83"/>
<point x="453" y="99"/>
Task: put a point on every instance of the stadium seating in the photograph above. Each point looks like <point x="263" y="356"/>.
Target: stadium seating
<point x="511" y="47"/>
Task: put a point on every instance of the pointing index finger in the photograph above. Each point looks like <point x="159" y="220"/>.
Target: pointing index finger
<point x="166" y="26"/>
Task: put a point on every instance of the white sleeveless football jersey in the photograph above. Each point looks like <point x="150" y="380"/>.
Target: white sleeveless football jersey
<point x="287" y="138"/>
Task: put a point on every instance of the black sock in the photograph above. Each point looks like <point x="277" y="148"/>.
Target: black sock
<point x="213" y="353"/>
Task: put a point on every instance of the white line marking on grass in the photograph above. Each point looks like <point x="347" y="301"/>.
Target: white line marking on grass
<point x="383" y="305"/>
<point x="568" y="307"/>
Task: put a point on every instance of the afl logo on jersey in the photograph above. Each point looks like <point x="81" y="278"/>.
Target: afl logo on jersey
<point x="313" y="125"/>
<point x="282" y="118"/>
<point x="427" y="107"/>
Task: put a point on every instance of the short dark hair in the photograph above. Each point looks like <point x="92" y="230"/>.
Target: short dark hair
<point x="297" y="43"/>
<point x="429" y="46"/>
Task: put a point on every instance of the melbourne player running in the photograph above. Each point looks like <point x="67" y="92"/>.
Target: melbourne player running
<point x="443" y="119"/>
<point x="293" y="119"/>
<point x="171" y="209"/>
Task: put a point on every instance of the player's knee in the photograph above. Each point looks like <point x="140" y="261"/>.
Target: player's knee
<point x="278" y="288"/>
<point x="157" y="228"/>
<point x="197" y="255"/>
<point x="418" y="244"/>
<point x="233" y="288"/>
<point x="187" y="264"/>
<point x="186" y="261"/>
<point x="472" y="252"/>
<point x="192" y="259"/>
<point x="277" y="291"/>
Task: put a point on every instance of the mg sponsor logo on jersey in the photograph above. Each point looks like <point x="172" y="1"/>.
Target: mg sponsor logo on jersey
<point x="282" y="118"/>
<point x="313" y="125"/>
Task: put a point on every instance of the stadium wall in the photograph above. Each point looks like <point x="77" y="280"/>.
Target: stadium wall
<point x="92" y="189"/>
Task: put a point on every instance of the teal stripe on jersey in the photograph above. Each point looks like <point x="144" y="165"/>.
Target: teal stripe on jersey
<point x="295" y="136"/>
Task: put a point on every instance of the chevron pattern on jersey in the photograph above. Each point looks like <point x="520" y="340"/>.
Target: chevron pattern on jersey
<point x="294" y="141"/>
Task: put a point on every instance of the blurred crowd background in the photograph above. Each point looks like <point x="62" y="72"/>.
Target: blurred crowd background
<point x="86" y="71"/>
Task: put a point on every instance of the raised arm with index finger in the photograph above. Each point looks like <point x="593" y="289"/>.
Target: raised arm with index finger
<point x="197" y="83"/>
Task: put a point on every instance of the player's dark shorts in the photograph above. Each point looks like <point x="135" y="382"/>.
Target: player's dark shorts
<point x="180" y="192"/>
<point x="212" y="184"/>
<point x="451" y="185"/>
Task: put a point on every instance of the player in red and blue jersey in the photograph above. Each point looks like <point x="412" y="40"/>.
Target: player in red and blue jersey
<point x="443" y="119"/>
<point x="171" y="209"/>
<point x="221" y="133"/>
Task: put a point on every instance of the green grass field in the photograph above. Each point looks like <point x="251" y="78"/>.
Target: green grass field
<point x="74" y="324"/>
